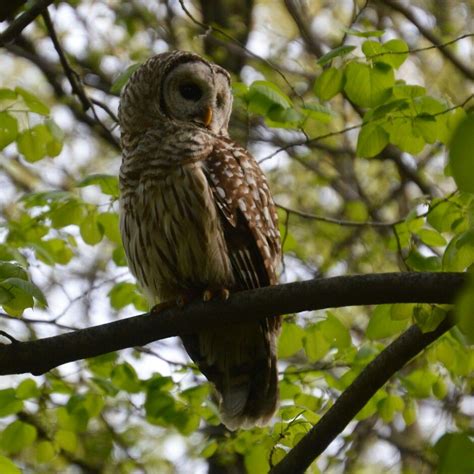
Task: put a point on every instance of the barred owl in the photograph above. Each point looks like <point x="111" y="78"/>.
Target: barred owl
<point x="197" y="218"/>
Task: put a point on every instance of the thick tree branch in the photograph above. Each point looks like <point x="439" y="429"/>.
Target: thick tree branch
<point x="353" y="399"/>
<point x="42" y="355"/>
<point x="23" y="21"/>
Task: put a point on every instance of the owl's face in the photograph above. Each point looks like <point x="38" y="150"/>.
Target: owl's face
<point x="198" y="92"/>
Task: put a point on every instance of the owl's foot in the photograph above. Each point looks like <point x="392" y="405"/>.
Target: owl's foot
<point x="222" y="293"/>
<point x="160" y="307"/>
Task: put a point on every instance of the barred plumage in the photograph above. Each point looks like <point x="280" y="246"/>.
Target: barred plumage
<point x="196" y="215"/>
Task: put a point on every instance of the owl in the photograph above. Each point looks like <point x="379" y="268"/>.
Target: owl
<point x="197" y="220"/>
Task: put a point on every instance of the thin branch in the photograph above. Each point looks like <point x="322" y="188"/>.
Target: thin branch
<point x="332" y="220"/>
<point x="39" y="356"/>
<point x="9" y="337"/>
<point x="72" y="76"/>
<point x="23" y="21"/>
<point x="430" y="36"/>
<point x="354" y="398"/>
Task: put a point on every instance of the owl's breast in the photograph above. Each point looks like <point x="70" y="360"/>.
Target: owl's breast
<point x="172" y="234"/>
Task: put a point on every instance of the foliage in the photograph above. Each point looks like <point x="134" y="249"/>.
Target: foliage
<point x="368" y="130"/>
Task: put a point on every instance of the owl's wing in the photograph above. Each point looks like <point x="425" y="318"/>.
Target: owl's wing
<point x="248" y="214"/>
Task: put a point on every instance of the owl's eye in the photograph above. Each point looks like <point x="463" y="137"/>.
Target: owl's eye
<point x="190" y="91"/>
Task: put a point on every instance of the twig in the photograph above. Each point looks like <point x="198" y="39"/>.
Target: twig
<point x="9" y="337"/>
<point x="331" y="220"/>
<point x="72" y="76"/>
<point x="23" y="21"/>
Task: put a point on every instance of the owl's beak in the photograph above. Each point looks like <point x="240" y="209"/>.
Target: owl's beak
<point x="207" y="117"/>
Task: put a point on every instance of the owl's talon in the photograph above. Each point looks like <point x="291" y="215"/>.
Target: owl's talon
<point x="222" y="293"/>
<point x="207" y="295"/>
<point x="182" y="301"/>
<point x="160" y="307"/>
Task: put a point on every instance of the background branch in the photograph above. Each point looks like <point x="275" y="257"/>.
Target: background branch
<point x="353" y="399"/>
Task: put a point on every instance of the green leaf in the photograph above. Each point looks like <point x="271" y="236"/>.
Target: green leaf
<point x="9" y="270"/>
<point x="66" y="440"/>
<point x="399" y="47"/>
<point x="389" y="406"/>
<point x="442" y="214"/>
<point x="17" y="436"/>
<point x="125" y="293"/>
<point x="256" y="459"/>
<point x="108" y="183"/>
<point x="401" y="311"/>
<point x="71" y="212"/>
<point x="419" y="383"/>
<point x="404" y="135"/>
<point x="55" y="145"/>
<point x="45" y="452"/>
<point x="291" y="340"/>
<point x="8" y="129"/>
<point x="7" y="94"/>
<point x="27" y="389"/>
<point x="329" y="83"/>
<point x="32" y="102"/>
<point x="368" y="86"/>
<point x="54" y="250"/>
<point x="7" y="466"/>
<point x="400" y="50"/>
<point x="417" y="261"/>
<point x="335" y="53"/>
<point x="209" y="449"/>
<point x="102" y="365"/>
<point x="9" y="403"/>
<point x="440" y="388"/>
<point x="317" y="112"/>
<point x="335" y="332"/>
<point x="90" y="230"/>
<point x="454" y="451"/>
<point x="381" y="325"/>
<point x="461" y="159"/>
<point x="125" y="378"/>
<point x="123" y="78"/>
<point x="428" y="127"/>
<point x="263" y="95"/>
<point x="315" y="343"/>
<point x="428" y="318"/>
<point x="410" y="412"/>
<point x="431" y="237"/>
<point x="372" y="140"/>
<point x="26" y="287"/>
<point x="32" y="143"/>
<point x="459" y="253"/>
<point x="109" y="221"/>
<point x="372" y="48"/>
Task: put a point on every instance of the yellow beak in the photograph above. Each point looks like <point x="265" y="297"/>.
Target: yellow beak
<point x="207" y="116"/>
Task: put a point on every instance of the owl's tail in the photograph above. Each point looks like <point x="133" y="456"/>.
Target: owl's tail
<point x="242" y="364"/>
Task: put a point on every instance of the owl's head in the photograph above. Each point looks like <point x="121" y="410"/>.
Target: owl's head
<point x="178" y="86"/>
